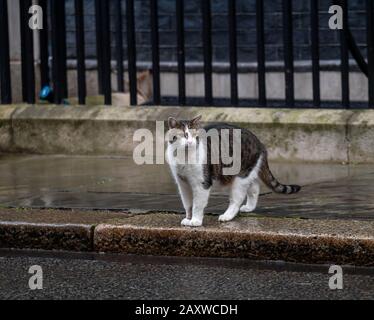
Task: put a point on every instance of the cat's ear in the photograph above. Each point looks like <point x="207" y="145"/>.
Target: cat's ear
<point x="195" y="121"/>
<point x="172" y="122"/>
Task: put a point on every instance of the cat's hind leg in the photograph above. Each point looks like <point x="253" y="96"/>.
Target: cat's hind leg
<point x="253" y="193"/>
<point x="238" y="193"/>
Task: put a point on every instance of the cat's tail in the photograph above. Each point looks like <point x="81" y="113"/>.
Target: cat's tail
<point x="271" y="182"/>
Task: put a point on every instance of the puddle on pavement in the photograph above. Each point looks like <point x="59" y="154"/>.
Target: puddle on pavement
<point x="25" y="174"/>
<point x="118" y="183"/>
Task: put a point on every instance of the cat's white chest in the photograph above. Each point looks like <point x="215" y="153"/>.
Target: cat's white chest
<point x="194" y="173"/>
<point x="191" y="171"/>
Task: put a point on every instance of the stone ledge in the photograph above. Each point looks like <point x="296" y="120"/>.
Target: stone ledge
<point x="290" y="134"/>
<point x="361" y="136"/>
<point x="153" y="113"/>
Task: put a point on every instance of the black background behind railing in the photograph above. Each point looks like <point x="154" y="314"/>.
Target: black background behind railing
<point x="110" y="42"/>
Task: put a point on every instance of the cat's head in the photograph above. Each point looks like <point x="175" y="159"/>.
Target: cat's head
<point x="184" y="133"/>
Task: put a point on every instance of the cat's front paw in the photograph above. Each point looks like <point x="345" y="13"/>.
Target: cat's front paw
<point x="192" y="223"/>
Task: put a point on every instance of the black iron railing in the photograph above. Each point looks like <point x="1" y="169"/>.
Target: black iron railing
<point x="53" y="47"/>
<point x="5" y="79"/>
<point x="370" y="44"/>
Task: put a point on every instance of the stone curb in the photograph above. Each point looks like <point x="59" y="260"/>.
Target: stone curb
<point x="25" y="235"/>
<point x="294" y="240"/>
<point x="256" y="246"/>
<point x="289" y="134"/>
<point x="50" y="229"/>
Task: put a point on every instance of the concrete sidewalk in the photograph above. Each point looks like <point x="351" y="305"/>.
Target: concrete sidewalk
<point x="111" y="205"/>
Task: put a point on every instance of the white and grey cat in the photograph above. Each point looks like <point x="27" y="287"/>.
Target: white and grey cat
<point x="195" y="179"/>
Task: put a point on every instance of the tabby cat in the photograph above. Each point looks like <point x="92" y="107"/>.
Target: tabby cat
<point x="195" y="179"/>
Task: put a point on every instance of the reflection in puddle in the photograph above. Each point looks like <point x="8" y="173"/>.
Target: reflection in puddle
<point x="118" y="183"/>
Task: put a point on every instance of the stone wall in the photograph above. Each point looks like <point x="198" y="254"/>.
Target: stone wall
<point x="340" y="136"/>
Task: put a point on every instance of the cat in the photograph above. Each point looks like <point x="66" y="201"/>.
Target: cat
<point x="122" y="99"/>
<point x="195" y="179"/>
<point x="144" y="90"/>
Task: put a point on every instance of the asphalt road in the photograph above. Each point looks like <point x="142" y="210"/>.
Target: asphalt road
<point x="76" y="276"/>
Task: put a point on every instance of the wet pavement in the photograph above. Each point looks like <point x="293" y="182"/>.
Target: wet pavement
<point x="330" y="191"/>
<point x="77" y="276"/>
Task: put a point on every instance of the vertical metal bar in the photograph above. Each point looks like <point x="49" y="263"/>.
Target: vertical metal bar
<point x="44" y="54"/>
<point x="80" y="43"/>
<point x="288" y="52"/>
<point x="99" y="44"/>
<point x="57" y="96"/>
<point x="58" y="41"/>
<point x="23" y="51"/>
<point x="119" y="46"/>
<point x="344" y="56"/>
<point x="155" y="52"/>
<point x="27" y="55"/>
<point x="207" y="45"/>
<point x="315" y="52"/>
<point x="260" y="53"/>
<point x="233" y="52"/>
<point x="131" y="50"/>
<point x="5" y="81"/>
<point x="63" y="54"/>
<point x="181" y="52"/>
<point x="29" y="45"/>
<point x="370" y="52"/>
<point x="107" y="87"/>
